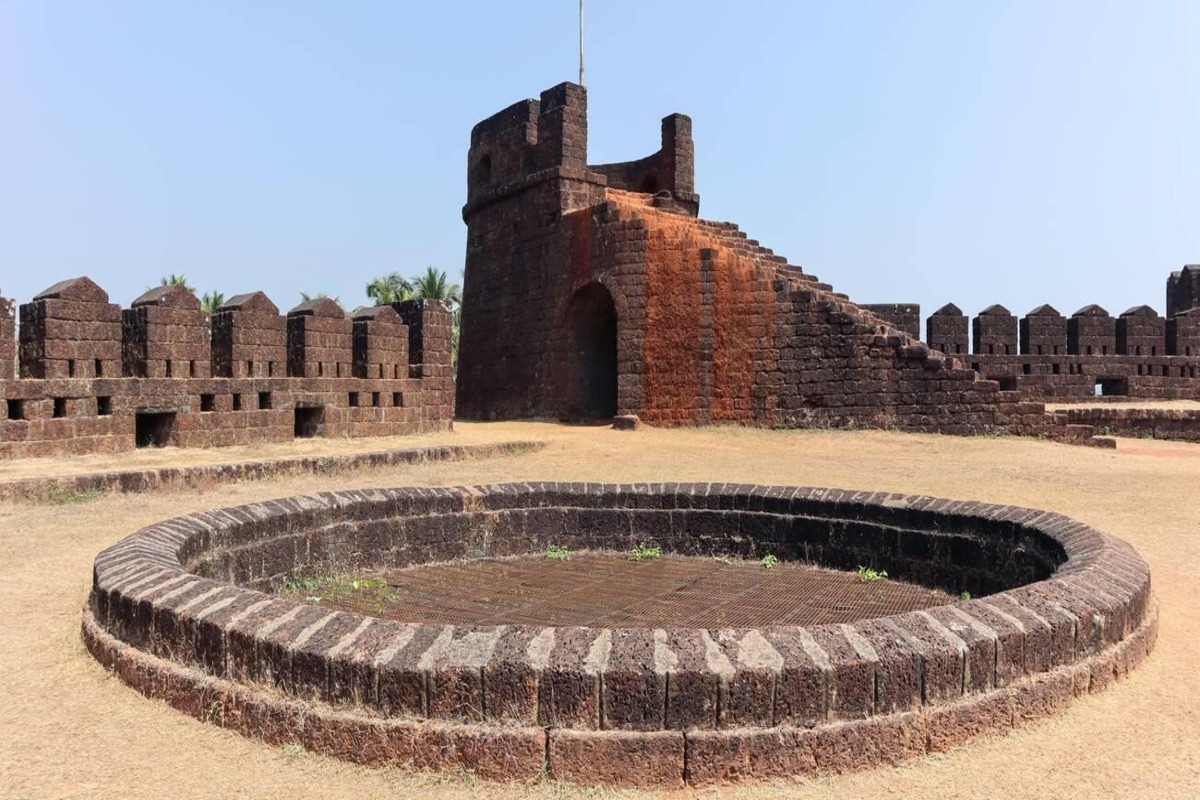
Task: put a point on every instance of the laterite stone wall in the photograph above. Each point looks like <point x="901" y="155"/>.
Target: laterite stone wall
<point x="154" y="375"/>
<point x="711" y="327"/>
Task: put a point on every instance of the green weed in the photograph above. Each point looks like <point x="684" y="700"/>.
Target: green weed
<point x="645" y="552"/>
<point x="870" y="575"/>
<point x="60" y="496"/>
<point x="374" y="594"/>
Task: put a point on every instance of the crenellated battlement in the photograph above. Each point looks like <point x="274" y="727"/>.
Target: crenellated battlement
<point x="8" y="338"/>
<point x="320" y="340"/>
<point x="1137" y="353"/>
<point x="1183" y="290"/>
<point x="531" y="143"/>
<point x="994" y="331"/>
<point x="165" y="335"/>
<point x="669" y="174"/>
<point x="543" y="143"/>
<point x="70" y="330"/>
<point x="96" y="378"/>
<point x="1090" y="331"/>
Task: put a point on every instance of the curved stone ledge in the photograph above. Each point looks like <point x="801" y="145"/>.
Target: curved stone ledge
<point x="663" y="758"/>
<point x="158" y="478"/>
<point x="183" y="603"/>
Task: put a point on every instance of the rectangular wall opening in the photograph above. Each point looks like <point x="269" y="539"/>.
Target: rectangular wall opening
<point x="237" y="402"/>
<point x="264" y="401"/>
<point x="354" y="399"/>
<point x="99" y="368"/>
<point x="16" y="409"/>
<point x="1008" y="383"/>
<point x="208" y="402"/>
<point x="70" y="368"/>
<point x="103" y="406"/>
<point x="375" y="399"/>
<point x="310" y="422"/>
<point x="154" y="428"/>
<point x="168" y="365"/>
<point x="397" y="400"/>
<point x="1112" y="387"/>
<point x="60" y="407"/>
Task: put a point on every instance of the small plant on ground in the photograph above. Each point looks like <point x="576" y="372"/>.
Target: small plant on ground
<point x="61" y="497"/>
<point x="768" y="561"/>
<point x="870" y="575"/>
<point x="965" y="596"/>
<point x="373" y="594"/>
<point x="301" y="585"/>
<point x="645" y="552"/>
<point x="556" y="553"/>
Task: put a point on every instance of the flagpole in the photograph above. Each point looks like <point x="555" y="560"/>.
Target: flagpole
<point x="581" y="42"/>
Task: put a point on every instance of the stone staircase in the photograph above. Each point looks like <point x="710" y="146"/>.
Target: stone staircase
<point x="1020" y="417"/>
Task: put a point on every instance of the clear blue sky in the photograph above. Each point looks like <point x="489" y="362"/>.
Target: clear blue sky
<point x="1014" y="152"/>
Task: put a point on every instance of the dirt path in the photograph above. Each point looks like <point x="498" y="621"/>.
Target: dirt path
<point x="68" y="729"/>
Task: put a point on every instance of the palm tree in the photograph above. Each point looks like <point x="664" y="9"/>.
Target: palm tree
<point x="176" y="280"/>
<point x="305" y="297"/>
<point x="434" y="285"/>
<point x="390" y="288"/>
<point x="212" y="301"/>
<point x="455" y="330"/>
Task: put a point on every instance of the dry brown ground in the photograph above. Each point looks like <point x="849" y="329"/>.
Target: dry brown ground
<point x="69" y="729"/>
<point x="1167" y="404"/>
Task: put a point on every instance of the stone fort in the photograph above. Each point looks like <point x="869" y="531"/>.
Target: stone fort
<point x="590" y="291"/>
<point x="97" y="378"/>
<point x="594" y="290"/>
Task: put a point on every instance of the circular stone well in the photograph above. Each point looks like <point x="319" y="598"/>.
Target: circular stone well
<point x="181" y="610"/>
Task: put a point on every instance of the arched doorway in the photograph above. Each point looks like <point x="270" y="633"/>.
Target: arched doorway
<point x="591" y="354"/>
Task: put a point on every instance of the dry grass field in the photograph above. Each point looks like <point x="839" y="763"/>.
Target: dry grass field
<point x="70" y="730"/>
